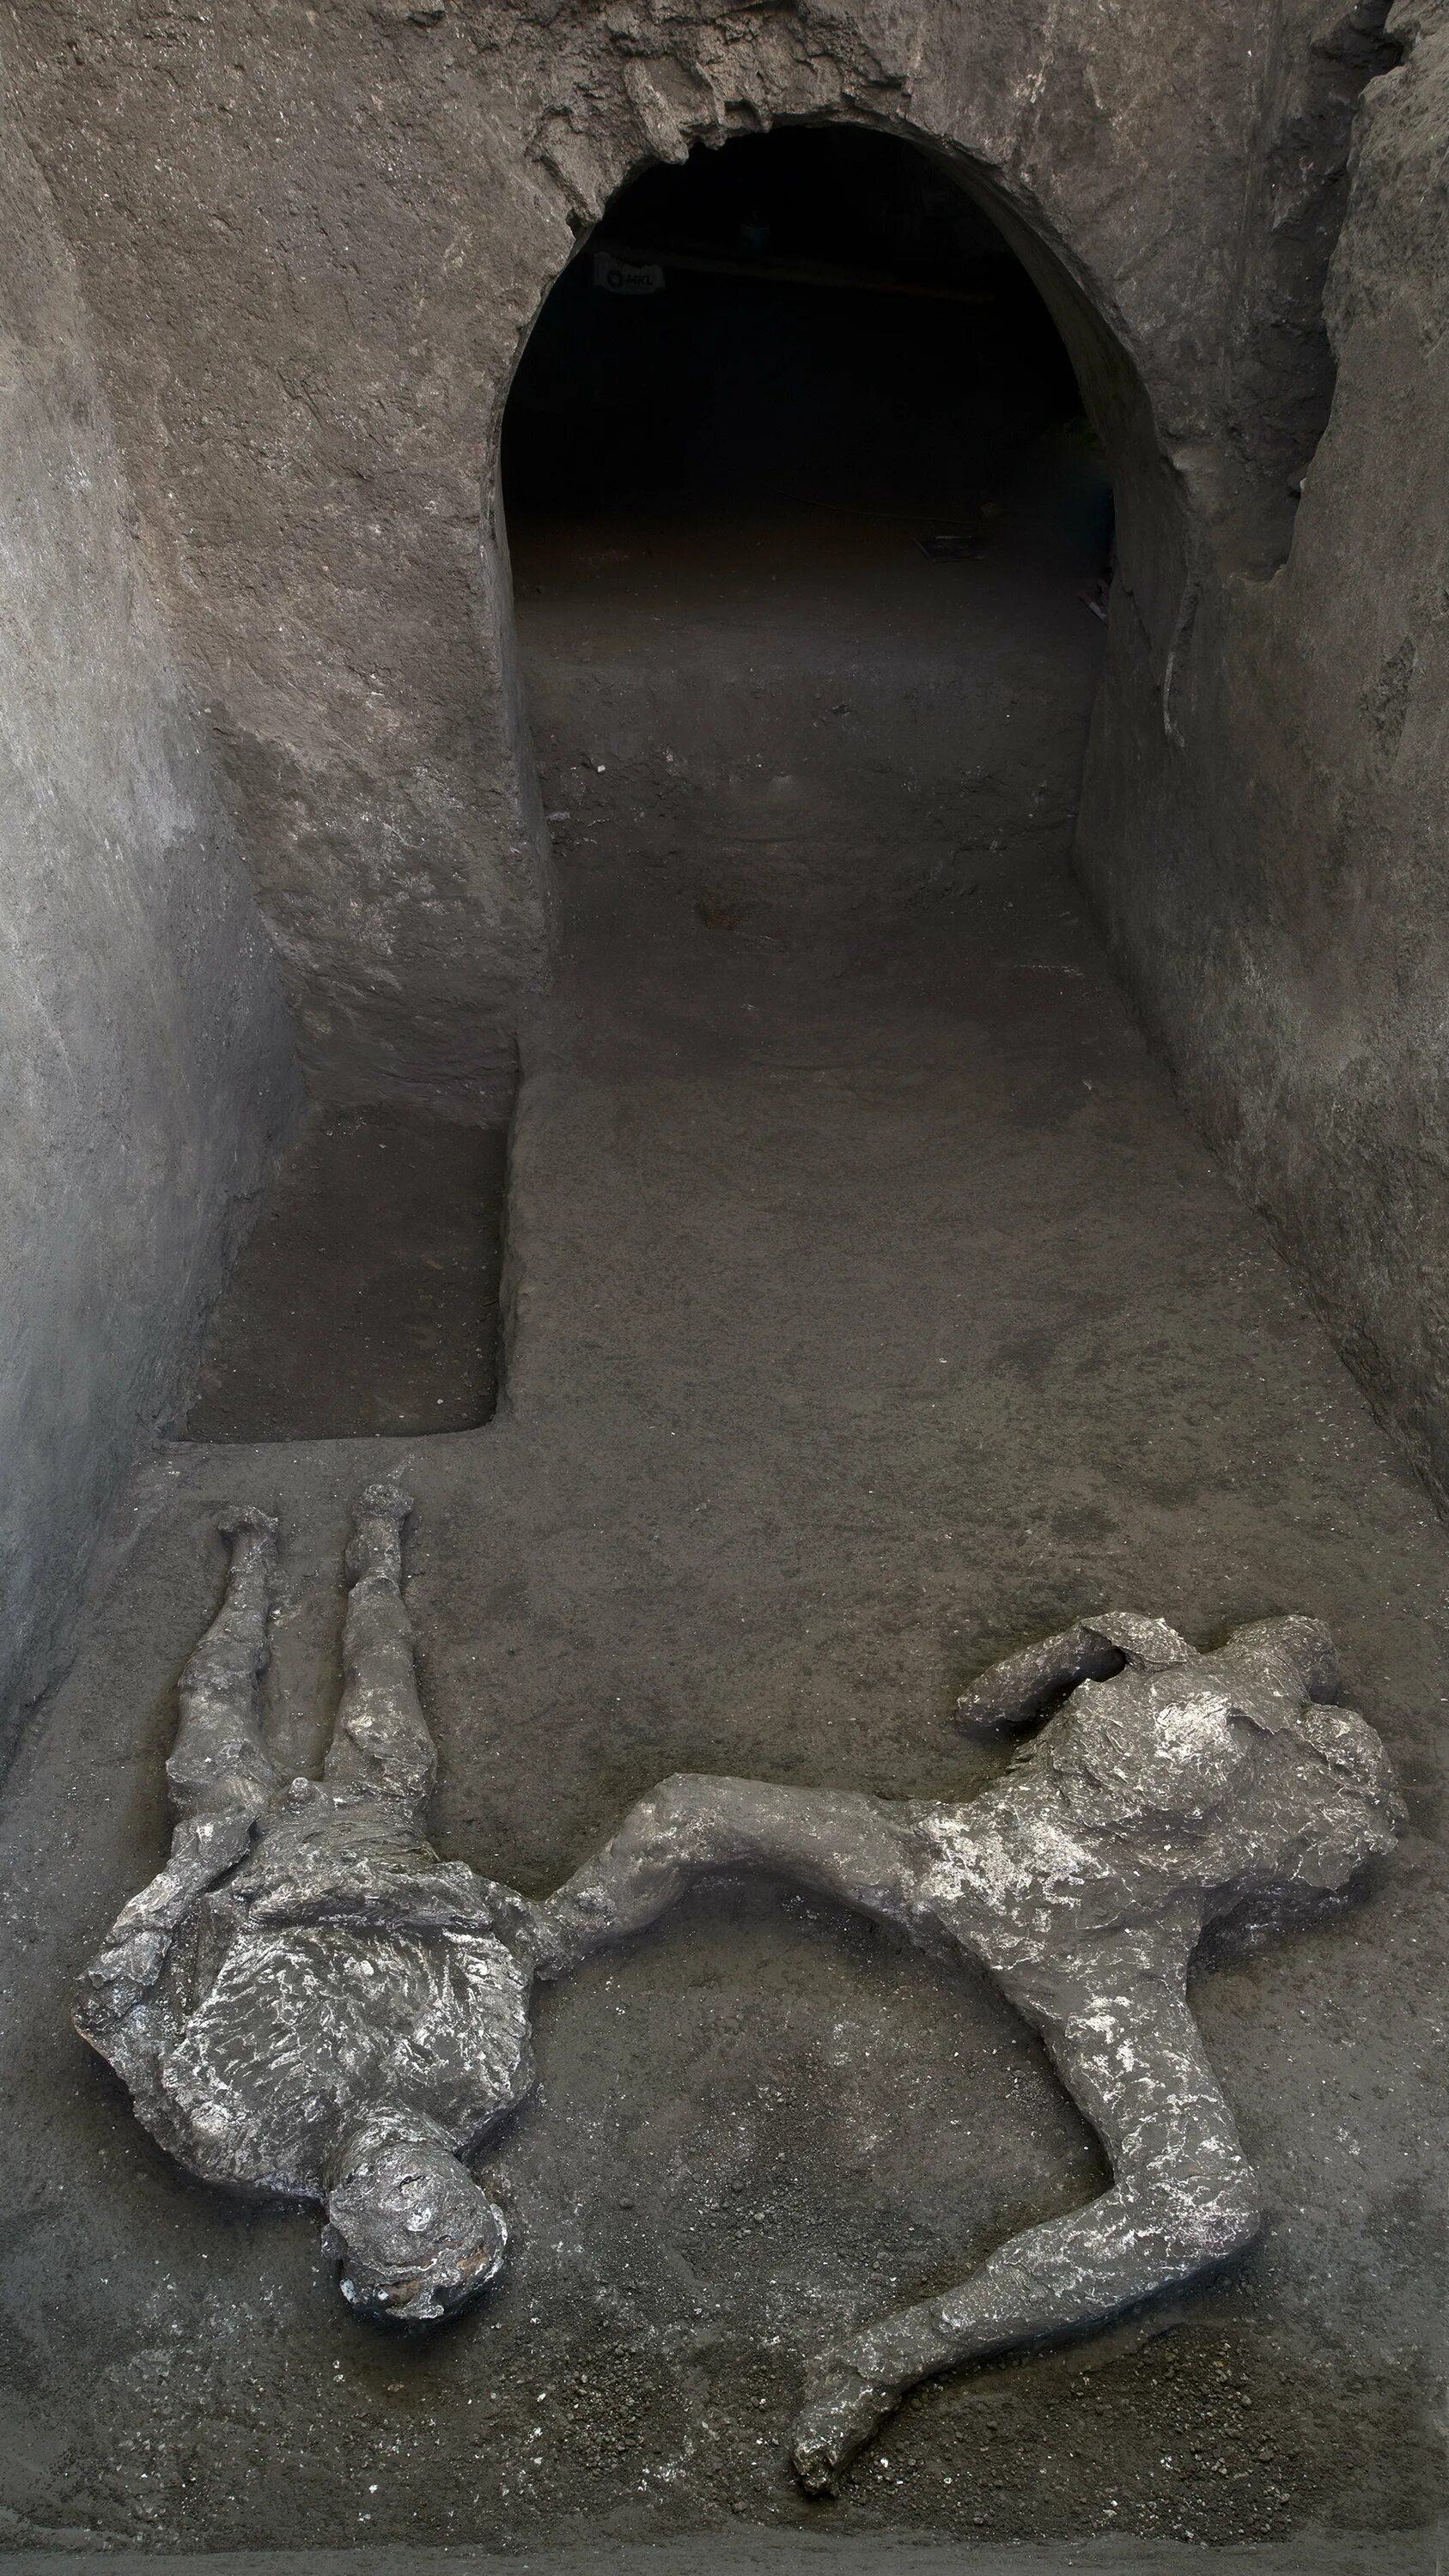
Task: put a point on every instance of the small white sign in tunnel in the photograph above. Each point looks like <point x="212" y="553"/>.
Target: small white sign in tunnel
<point x="627" y="276"/>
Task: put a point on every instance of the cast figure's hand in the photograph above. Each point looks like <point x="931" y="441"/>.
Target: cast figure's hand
<point x="533" y="1932"/>
<point x="122" y="1972"/>
<point x="135" y="1949"/>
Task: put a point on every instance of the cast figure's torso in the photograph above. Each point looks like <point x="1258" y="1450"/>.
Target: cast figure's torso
<point x="1139" y="1801"/>
<point x="341" y="1965"/>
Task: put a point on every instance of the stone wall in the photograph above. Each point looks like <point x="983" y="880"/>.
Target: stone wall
<point x="1271" y="858"/>
<point x="148" y="1062"/>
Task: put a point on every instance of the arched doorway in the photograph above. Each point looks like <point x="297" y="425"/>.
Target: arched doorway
<point x="811" y="542"/>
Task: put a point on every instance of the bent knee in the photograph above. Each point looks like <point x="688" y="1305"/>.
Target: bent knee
<point x="1206" y="2223"/>
<point x="683" y="1794"/>
<point x="692" y="1815"/>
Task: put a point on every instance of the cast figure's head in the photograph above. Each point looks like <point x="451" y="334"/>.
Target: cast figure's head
<point x="1235" y="1772"/>
<point x="417" y="2236"/>
<point x="1325" y="1788"/>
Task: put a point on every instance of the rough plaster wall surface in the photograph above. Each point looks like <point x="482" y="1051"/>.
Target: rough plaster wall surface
<point x="1275" y="877"/>
<point x="1310" y="63"/>
<point x="318" y="238"/>
<point x="147" y="1059"/>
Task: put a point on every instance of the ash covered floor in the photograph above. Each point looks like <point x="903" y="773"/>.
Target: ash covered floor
<point x="873" y="1310"/>
<point x="797" y="713"/>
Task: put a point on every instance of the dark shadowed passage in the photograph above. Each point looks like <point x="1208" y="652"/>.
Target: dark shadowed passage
<point x="809" y="316"/>
<point x="366" y="1300"/>
<point x="812" y="547"/>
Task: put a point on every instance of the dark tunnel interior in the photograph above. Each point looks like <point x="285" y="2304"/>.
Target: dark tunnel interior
<point x="813" y="316"/>
<point x="811" y="542"/>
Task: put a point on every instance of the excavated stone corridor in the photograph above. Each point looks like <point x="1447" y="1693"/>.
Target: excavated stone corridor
<point x="871" y="1308"/>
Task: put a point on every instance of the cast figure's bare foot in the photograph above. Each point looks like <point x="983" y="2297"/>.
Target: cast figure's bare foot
<point x="248" y="1530"/>
<point x="841" y="2412"/>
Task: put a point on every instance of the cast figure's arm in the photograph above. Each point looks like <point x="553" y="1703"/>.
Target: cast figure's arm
<point x="218" y="1775"/>
<point x="1023" y="1687"/>
<point x="1182" y="2201"/>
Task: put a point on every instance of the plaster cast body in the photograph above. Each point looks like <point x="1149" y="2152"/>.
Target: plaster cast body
<point x="306" y="2001"/>
<point x="1171" y="1788"/>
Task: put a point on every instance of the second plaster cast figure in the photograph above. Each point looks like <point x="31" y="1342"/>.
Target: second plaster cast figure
<point x="307" y="2002"/>
<point x="1171" y="1788"/>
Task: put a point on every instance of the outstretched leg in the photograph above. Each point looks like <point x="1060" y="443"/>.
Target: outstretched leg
<point x="847" y="1845"/>
<point x="1182" y="2200"/>
<point x="218" y="1765"/>
<point x="380" y="1743"/>
<point x="218" y="1772"/>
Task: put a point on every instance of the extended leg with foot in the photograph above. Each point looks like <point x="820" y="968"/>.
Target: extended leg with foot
<point x="1182" y="2201"/>
<point x="218" y="1765"/>
<point x="380" y="1743"/>
<point x="218" y="1771"/>
<point x="847" y="1845"/>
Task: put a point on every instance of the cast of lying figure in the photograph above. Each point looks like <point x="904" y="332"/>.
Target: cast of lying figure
<point x="332" y="2012"/>
<point x="1168" y="1789"/>
<point x="307" y="2001"/>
